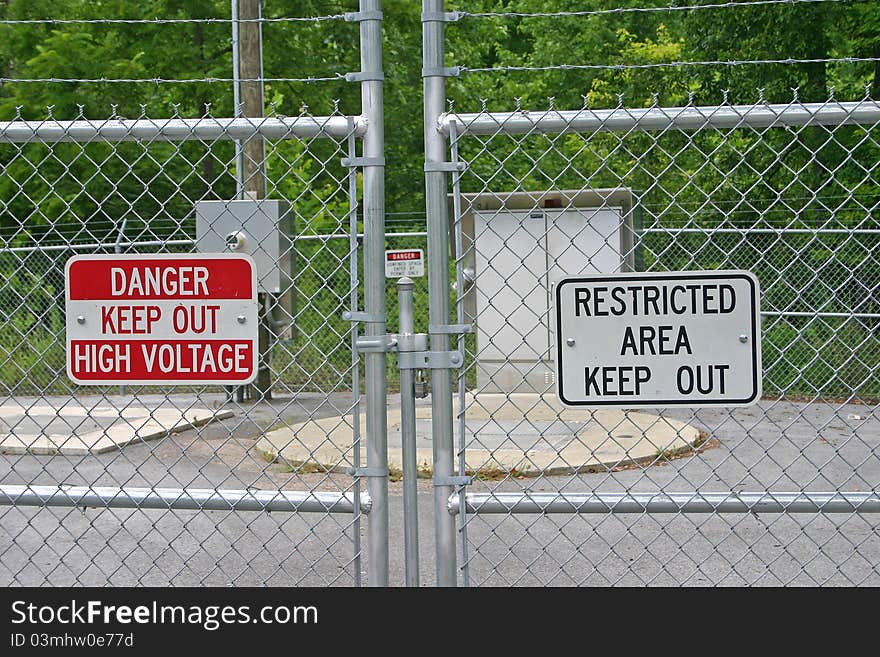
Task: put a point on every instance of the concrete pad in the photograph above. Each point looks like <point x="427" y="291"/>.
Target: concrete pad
<point x="74" y="426"/>
<point x="523" y="433"/>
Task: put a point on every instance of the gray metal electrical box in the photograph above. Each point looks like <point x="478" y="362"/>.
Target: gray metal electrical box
<point x="264" y="230"/>
<point x="516" y="245"/>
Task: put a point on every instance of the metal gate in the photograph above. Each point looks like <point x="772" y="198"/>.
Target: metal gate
<point x="783" y="492"/>
<point x="199" y="485"/>
<point x="206" y="486"/>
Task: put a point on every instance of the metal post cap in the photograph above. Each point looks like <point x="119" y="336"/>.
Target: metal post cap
<point x="405" y="283"/>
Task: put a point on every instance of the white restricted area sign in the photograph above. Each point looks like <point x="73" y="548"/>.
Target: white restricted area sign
<point x="161" y="319"/>
<point x="404" y="262"/>
<point x="658" y="339"/>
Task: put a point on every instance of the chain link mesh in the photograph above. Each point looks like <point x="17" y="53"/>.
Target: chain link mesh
<point x="106" y="195"/>
<point x="792" y="199"/>
<point x="796" y="205"/>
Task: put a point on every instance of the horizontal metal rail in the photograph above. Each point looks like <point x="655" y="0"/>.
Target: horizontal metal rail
<point x="690" y="502"/>
<point x="709" y="231"/>
<point x="661" y="118"/>
<point x="130" y="245"/>
<point x="200" y="499"/>
<point x="204" y="129"/>
<point x="94" y="247"/>
<point x="805" y="313"/>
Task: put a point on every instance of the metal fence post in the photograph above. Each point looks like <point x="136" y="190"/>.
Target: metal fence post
<point x="438" y="284"/>
<point x="405" y="342"/>
<point x="374" y="285"/>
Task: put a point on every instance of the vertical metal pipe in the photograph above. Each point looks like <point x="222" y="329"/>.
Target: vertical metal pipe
<point x="236" y="101"/>
<point x="462" y="347"/>
<point x="438" y="285"/>
<point x="117" y="249"/>
<point x="408" y="436"/>
<point x="355" y="358"/>
<point x="374" y="289"/>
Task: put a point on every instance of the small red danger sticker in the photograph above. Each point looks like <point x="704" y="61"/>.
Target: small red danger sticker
<point x="404" y="262"/>
<point x="404" y="255"/>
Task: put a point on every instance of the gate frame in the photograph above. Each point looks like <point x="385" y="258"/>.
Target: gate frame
<point x="369" y="127"/>
<point x="440" y="125"/>
<point x="436" y="167"/>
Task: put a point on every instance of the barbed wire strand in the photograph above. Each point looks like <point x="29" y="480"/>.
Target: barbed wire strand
<point x="622" y="67"/>
<point x="461" y="14"/>
<point x="640" y="10"/>
<point x="337" y="77"/>
<point x="163" y="21"/>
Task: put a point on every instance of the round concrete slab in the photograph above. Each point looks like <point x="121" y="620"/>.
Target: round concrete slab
<point x="75" y="426"/>
<point x="524" y="434"/>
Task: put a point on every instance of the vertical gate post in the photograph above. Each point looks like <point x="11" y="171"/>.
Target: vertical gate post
<point x="405" y="342"/>
<point x="374" y="286"/>
<point x="438" y="284"/>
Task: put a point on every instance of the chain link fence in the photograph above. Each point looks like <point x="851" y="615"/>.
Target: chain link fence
<point x="779" y="493"/>
<point x="34" y="337"/>
<point x="787" y="192"/>
<point x="204" y="485"/>
<point x="107" y="195"/>
<point x="191" y="485"/>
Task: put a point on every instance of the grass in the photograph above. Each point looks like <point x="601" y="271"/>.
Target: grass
<point x="803" y="357"/>
<point x="834" y="358"/>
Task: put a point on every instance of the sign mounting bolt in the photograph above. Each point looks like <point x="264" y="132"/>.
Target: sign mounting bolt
<point x="569" y="342"/>
<point x="241" y="319"/>
<point x="743" y="338"/>
<point x="80" y="319"/>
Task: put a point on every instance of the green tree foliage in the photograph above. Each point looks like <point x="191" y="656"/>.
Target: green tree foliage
<point x="799" y="177"/>
<point x="328" y="48"/>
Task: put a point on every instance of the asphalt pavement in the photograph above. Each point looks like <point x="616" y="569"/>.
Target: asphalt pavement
<point x="783" y="446"/>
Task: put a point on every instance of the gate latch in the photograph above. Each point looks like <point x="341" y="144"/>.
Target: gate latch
<point x="432" y="360"/>
<point x="412" y="351"/>
<point x="413" y="354"/>
<point x="376" y="343"/>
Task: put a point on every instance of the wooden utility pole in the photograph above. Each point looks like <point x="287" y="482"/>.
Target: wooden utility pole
<point x="250" y="63"/>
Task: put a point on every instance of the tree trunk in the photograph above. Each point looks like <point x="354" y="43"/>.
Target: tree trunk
<point x="875" y="87"/>
<point x="208" y="171"/>
<point x="250" y="66"/>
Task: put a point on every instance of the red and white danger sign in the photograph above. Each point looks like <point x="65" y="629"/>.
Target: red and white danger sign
<point x="169" y="319"/>
<point x="404" y="262"/>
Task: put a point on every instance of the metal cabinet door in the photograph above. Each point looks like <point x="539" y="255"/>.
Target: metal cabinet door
<point x="581" y="241"/>
<point x="511" y="285"/>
